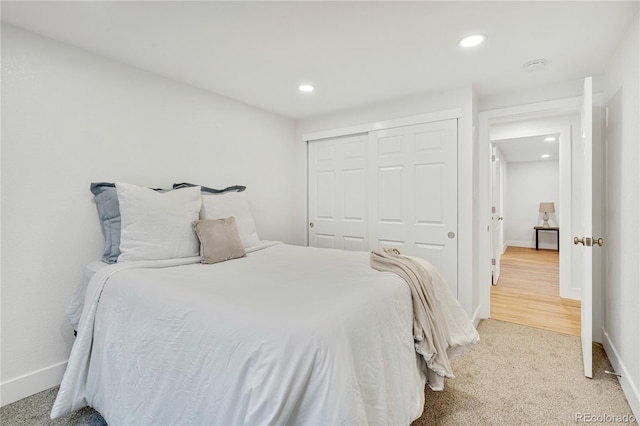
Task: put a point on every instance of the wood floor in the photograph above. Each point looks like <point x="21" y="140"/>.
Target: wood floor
<point x="528" y="292"/>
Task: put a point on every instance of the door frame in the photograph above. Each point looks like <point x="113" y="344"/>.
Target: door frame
<point x="518" y="113"/>
<point x="384" y="124"/>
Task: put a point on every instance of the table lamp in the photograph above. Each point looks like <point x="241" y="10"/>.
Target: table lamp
<point x="546" y="207"/>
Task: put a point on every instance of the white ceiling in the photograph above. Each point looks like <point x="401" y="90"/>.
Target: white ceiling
<point x="531" y="148"/>
<point x="356" y="53"/>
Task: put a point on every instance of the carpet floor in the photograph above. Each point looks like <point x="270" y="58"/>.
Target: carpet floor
<point x="520" y="375"/>
<point x="517" y="375"/>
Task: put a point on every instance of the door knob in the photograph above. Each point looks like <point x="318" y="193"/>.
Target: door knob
<point x="311" y="225"/>
<point x="500" y="218"/>
<point x="589" y="241"/>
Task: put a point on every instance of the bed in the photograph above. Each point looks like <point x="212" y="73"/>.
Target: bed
<point x="285" y="335"/>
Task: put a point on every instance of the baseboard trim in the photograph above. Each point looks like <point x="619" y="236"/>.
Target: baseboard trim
<point x="21" y="387"/>
<point x="531" y="244"/>
<point x="629" y="388"/>
<point x="576" y="293"/>
<point x="514" y="243"/>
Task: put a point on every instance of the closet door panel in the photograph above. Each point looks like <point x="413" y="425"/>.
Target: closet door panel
<point x="338" y="185"/>
<point x="324" y="241"/>
<point x="325" y="186"/>
<point x="429" y="199"/>
<point x="390" y="205"/>
<point x="355" y="185"/>
<point x="413" y="193"/>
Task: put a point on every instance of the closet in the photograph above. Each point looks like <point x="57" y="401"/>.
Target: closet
<point x="394" y="187"/>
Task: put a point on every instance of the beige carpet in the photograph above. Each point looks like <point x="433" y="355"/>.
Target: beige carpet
<point x="516" y="376"/>
<point x="520" y="375"/>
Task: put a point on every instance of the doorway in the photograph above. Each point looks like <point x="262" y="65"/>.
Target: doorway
<point x="524" y="121"/>
<point x="582" y="181"/>
<point x="525" y="174"/>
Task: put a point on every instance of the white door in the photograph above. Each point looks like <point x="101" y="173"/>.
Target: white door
<point x="496" y="213"/>
<point x="337" y="193"/>
<point x="413" y="193"/>
<point x="586" y="239"/>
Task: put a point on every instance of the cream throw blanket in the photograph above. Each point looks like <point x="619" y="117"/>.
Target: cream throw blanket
<point x="441" y="328"/>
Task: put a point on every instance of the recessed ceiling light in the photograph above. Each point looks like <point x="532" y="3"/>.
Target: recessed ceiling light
<point x="550" y="139"/>
<point x="306" y="88"/>
<point x="545" y="156"/>
<point x="472" y="40"/>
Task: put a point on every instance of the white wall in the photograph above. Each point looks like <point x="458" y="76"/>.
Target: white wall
<point x="69" y="118"/>
<point x="529" y="184"/>
<point x="622" y="289"/>
<point x="467" y="167"/>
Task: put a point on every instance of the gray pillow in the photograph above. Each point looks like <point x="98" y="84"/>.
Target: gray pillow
<point x="109" y="213"/>
<point x="219" y="240"/>
<point x="234" y="188"/>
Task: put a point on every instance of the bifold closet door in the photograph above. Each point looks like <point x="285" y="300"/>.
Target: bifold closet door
<point x="413" y="193"/>
<point x="338" y="187"/>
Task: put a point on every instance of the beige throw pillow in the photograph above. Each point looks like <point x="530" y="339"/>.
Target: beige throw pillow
<point x="219" y="240"/>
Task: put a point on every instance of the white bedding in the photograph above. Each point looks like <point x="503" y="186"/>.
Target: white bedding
<point x="74" y="310"/>
<point x="289" y="334"/>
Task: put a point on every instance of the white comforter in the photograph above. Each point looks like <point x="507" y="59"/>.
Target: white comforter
<point x="287" y="335"/>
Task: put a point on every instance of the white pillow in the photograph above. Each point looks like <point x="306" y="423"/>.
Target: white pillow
<point x="232" y="204"/>
<point x="157" y="225"/>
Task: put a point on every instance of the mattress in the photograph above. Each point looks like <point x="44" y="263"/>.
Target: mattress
<point x="289" y="334"/>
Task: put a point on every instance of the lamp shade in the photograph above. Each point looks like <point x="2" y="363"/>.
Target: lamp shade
<point x="547" y="207"/>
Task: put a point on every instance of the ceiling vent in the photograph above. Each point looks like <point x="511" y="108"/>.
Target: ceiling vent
<point x="535" y="65"/>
